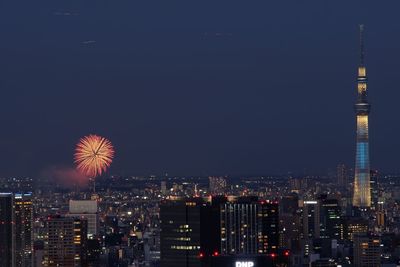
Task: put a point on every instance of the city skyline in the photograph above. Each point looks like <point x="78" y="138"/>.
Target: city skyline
<point x="212" y="97"/>
<point x="199" y="133"/>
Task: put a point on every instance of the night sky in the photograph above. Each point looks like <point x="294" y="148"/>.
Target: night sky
<point x="196" y="87"/>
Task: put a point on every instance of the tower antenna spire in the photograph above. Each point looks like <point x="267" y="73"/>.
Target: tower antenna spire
<point x="362" y="45"/>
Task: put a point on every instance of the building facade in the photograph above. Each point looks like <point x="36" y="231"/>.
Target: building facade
<point x="23" y="210"/>
<point x="180" y="233"/>
<point x="65" y="244"/>
<point x="367" y="251"/>
<point x="86" y="209"/>
<point x="311" y="219"/>
<point x="249" y="227"/>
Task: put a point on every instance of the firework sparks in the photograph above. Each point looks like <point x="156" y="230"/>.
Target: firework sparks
<point x="93" y="155"/>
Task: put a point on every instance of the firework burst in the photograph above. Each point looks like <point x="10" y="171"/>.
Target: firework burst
<point x="93" y="155"/>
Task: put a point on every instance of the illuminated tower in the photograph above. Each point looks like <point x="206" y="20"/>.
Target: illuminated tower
<point x="362" y="192"/>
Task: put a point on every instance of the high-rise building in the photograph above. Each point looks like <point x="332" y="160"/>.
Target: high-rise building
<point x="217" y="185"/>
<point x="86" y="209"/>
<point x="239" y="228"/>
<point x="366" y="251"/>
<point x="311" y="219"/>
<point x="65" y="244"/>
<point x="353" y="226"/>
<point x="342" y="176"/>
<point x="269" y="226"/>
<point x="249" y="227"/>
<point x="180" y="233"/>
<point x="164" y="188"/>
<point x="290" y="222"/>
<point x="23" y="210"/>
<point x="7" y="257"/>
<point x="362" y="192"/>
<point x="374" y="188"/>
<point x="195" y="232"/>
<point x="331" y="224"/>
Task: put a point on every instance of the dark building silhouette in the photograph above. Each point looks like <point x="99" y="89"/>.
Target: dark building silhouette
<point x="342" y="176"/>
<point x="6" y="230"/>
<point x="181" y="223"/>
<point x="290" y="222"/>
<point x="269" y="224"/>
<point x="195" y="232"/>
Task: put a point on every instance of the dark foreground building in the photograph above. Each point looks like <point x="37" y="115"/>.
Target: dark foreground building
<point x="23" y="212"/>
<point x="6" y="230"/>
<point x="181" y="224"/>
<point x="16" y="244"/>
<point x="65" y="244"/>
<point x="238" y="232"/>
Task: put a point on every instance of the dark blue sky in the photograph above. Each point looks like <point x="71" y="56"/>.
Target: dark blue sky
<point x="196" y="87"/>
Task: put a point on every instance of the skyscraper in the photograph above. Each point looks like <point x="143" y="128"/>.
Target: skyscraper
<point x="367" y="251"/>
<point x="249" y="227"/>
<point x="23" y="210"/>
<point x="362" y="192"/>
<point x="331" y="224"/>
<point x="239" y="228"/>
<point x="311" y="219"/>
<point x="6" y="230"/>
<point x="65" y="243"/>
<point x="180" y="233"/>
<point x="268" y="235"/>
<point x="374" y="188"/>
<point x="86" y="209"/>
<point x="342" y="177"/>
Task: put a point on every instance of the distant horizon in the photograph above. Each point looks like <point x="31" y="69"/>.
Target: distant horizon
<point x="329" y="173"/>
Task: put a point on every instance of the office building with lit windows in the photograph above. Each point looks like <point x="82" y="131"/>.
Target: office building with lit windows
<point x="362" y="192"/>
<point x="23" y="212"/>
<point x="311" y="219"/>
<point x="86" y="209"/>
<point x="249" y="226"/>
<point x="331" y="223"/>
<point x="181" y="223"/>
<point x="354" y="226"/>
<point x="65" y="243"/>
<point x="374" y="188"/>
<point x="366" y="251"/>
<point x="197" y="232"/>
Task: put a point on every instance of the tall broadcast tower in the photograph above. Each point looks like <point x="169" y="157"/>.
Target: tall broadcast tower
<point x="362" y="192"/>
